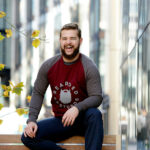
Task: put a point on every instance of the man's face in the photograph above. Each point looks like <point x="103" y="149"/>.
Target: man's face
<point x="70" y="43"/>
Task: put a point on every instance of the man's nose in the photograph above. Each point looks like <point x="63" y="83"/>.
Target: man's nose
<point x="68" y="41"/>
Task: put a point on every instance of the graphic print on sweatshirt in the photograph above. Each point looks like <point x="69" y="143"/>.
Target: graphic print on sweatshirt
<point x="66" y="95"/>
<point x="68" y="85"/>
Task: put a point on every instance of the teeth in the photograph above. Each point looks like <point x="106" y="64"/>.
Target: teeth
<point x="68" y="46"/>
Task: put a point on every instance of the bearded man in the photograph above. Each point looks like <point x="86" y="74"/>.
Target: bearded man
<point x="76" y="93"/>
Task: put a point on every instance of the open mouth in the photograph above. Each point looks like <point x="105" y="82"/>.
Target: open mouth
<point x="69" y="48"/>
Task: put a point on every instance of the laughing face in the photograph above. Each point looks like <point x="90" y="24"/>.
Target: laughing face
<point x="70" y="44"/>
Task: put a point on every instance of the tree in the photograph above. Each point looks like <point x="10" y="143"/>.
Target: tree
<point x="16" y="88"/>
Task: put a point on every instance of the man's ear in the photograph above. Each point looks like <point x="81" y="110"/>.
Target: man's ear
<point x="81" y="39"/>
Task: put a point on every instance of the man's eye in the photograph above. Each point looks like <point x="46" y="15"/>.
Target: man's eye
<point x="73" y="38"/>
<point x="64" y="39"/>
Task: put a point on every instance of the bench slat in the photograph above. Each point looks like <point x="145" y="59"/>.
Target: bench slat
<point x="75" y="147"/>
<point x="13" y="142"/>
<point x="108" y="139"/>
<point x="22" y="147"/>
<point x="13" y="147"/>
<point x="14" y="138"/>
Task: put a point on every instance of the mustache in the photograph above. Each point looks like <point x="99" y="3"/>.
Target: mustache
<point x="73" y="55"/>
<point x="69" y="45"/>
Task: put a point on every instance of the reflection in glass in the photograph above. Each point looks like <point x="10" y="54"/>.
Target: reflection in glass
<point x="135" y="110"/>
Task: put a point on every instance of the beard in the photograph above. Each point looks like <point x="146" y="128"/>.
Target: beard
<point x="73" y="55"/>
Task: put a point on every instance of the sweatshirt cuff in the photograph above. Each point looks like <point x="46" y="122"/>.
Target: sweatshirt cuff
<point x="31" y="120"/>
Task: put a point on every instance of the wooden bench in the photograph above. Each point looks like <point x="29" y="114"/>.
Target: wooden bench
<point x="13" y="142"/>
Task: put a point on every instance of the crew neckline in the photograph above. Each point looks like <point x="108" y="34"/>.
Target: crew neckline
<point x="71" y="63"/>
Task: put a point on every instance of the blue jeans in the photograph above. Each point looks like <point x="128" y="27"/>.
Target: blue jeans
<point x="140" y="145"/>
<point x="50" y="131"/>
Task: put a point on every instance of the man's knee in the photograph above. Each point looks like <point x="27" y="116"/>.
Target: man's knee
<point x="94" y="114"/>
<point x="24" y="139"/>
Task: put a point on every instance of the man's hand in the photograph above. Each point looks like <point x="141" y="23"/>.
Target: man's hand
<point x="30" y="129"/>
<point x="70" y="116"/>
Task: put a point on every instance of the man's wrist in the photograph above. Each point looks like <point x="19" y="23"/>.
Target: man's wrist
<point x="77" y="106"/>
<point x="29" y="120"/>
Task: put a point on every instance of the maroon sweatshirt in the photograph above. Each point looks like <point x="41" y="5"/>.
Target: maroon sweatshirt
<point x="72" y="84"/>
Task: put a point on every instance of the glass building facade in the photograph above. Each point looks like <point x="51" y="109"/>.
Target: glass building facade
<point x="95" y="17"/>
<point x="135" y="106"/>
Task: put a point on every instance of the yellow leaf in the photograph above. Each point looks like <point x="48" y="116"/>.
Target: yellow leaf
<point x="2" y="67"/>
<point x="4" y="87"/>
<point x="2" y="14"/>
<point x="18" y="88"/>
<point x="36" y="43"/>
<point x="6" y="94"/>
<point x="35" y="33"/>
<point x="20" y="111"/>
<point x="8" y="88"/>
<point x="20" y="84"/>
<point x="1" y="106"/>
<point x="8" y="33"/>
<point x="1" y="37"/>
<point x="28" y="98"/>
<point x="1" y="121"/>
<point x="11" y="83"/>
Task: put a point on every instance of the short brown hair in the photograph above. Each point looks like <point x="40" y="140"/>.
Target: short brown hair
<point x="70" y="26"/>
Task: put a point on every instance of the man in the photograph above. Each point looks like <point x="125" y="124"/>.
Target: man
<point x="76" y="92"/>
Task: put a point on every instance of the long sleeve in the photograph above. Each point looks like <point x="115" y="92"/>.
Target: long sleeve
<point x="40" y="86"/>
<point x="93" y="85"/>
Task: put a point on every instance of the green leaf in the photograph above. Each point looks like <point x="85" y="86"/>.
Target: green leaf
<point x="20" y="85"/>
<point x="17" y="90"/>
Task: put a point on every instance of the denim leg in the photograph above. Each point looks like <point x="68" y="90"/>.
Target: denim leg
<point x="93" y="129"/>
<point x="49" y="132"/>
